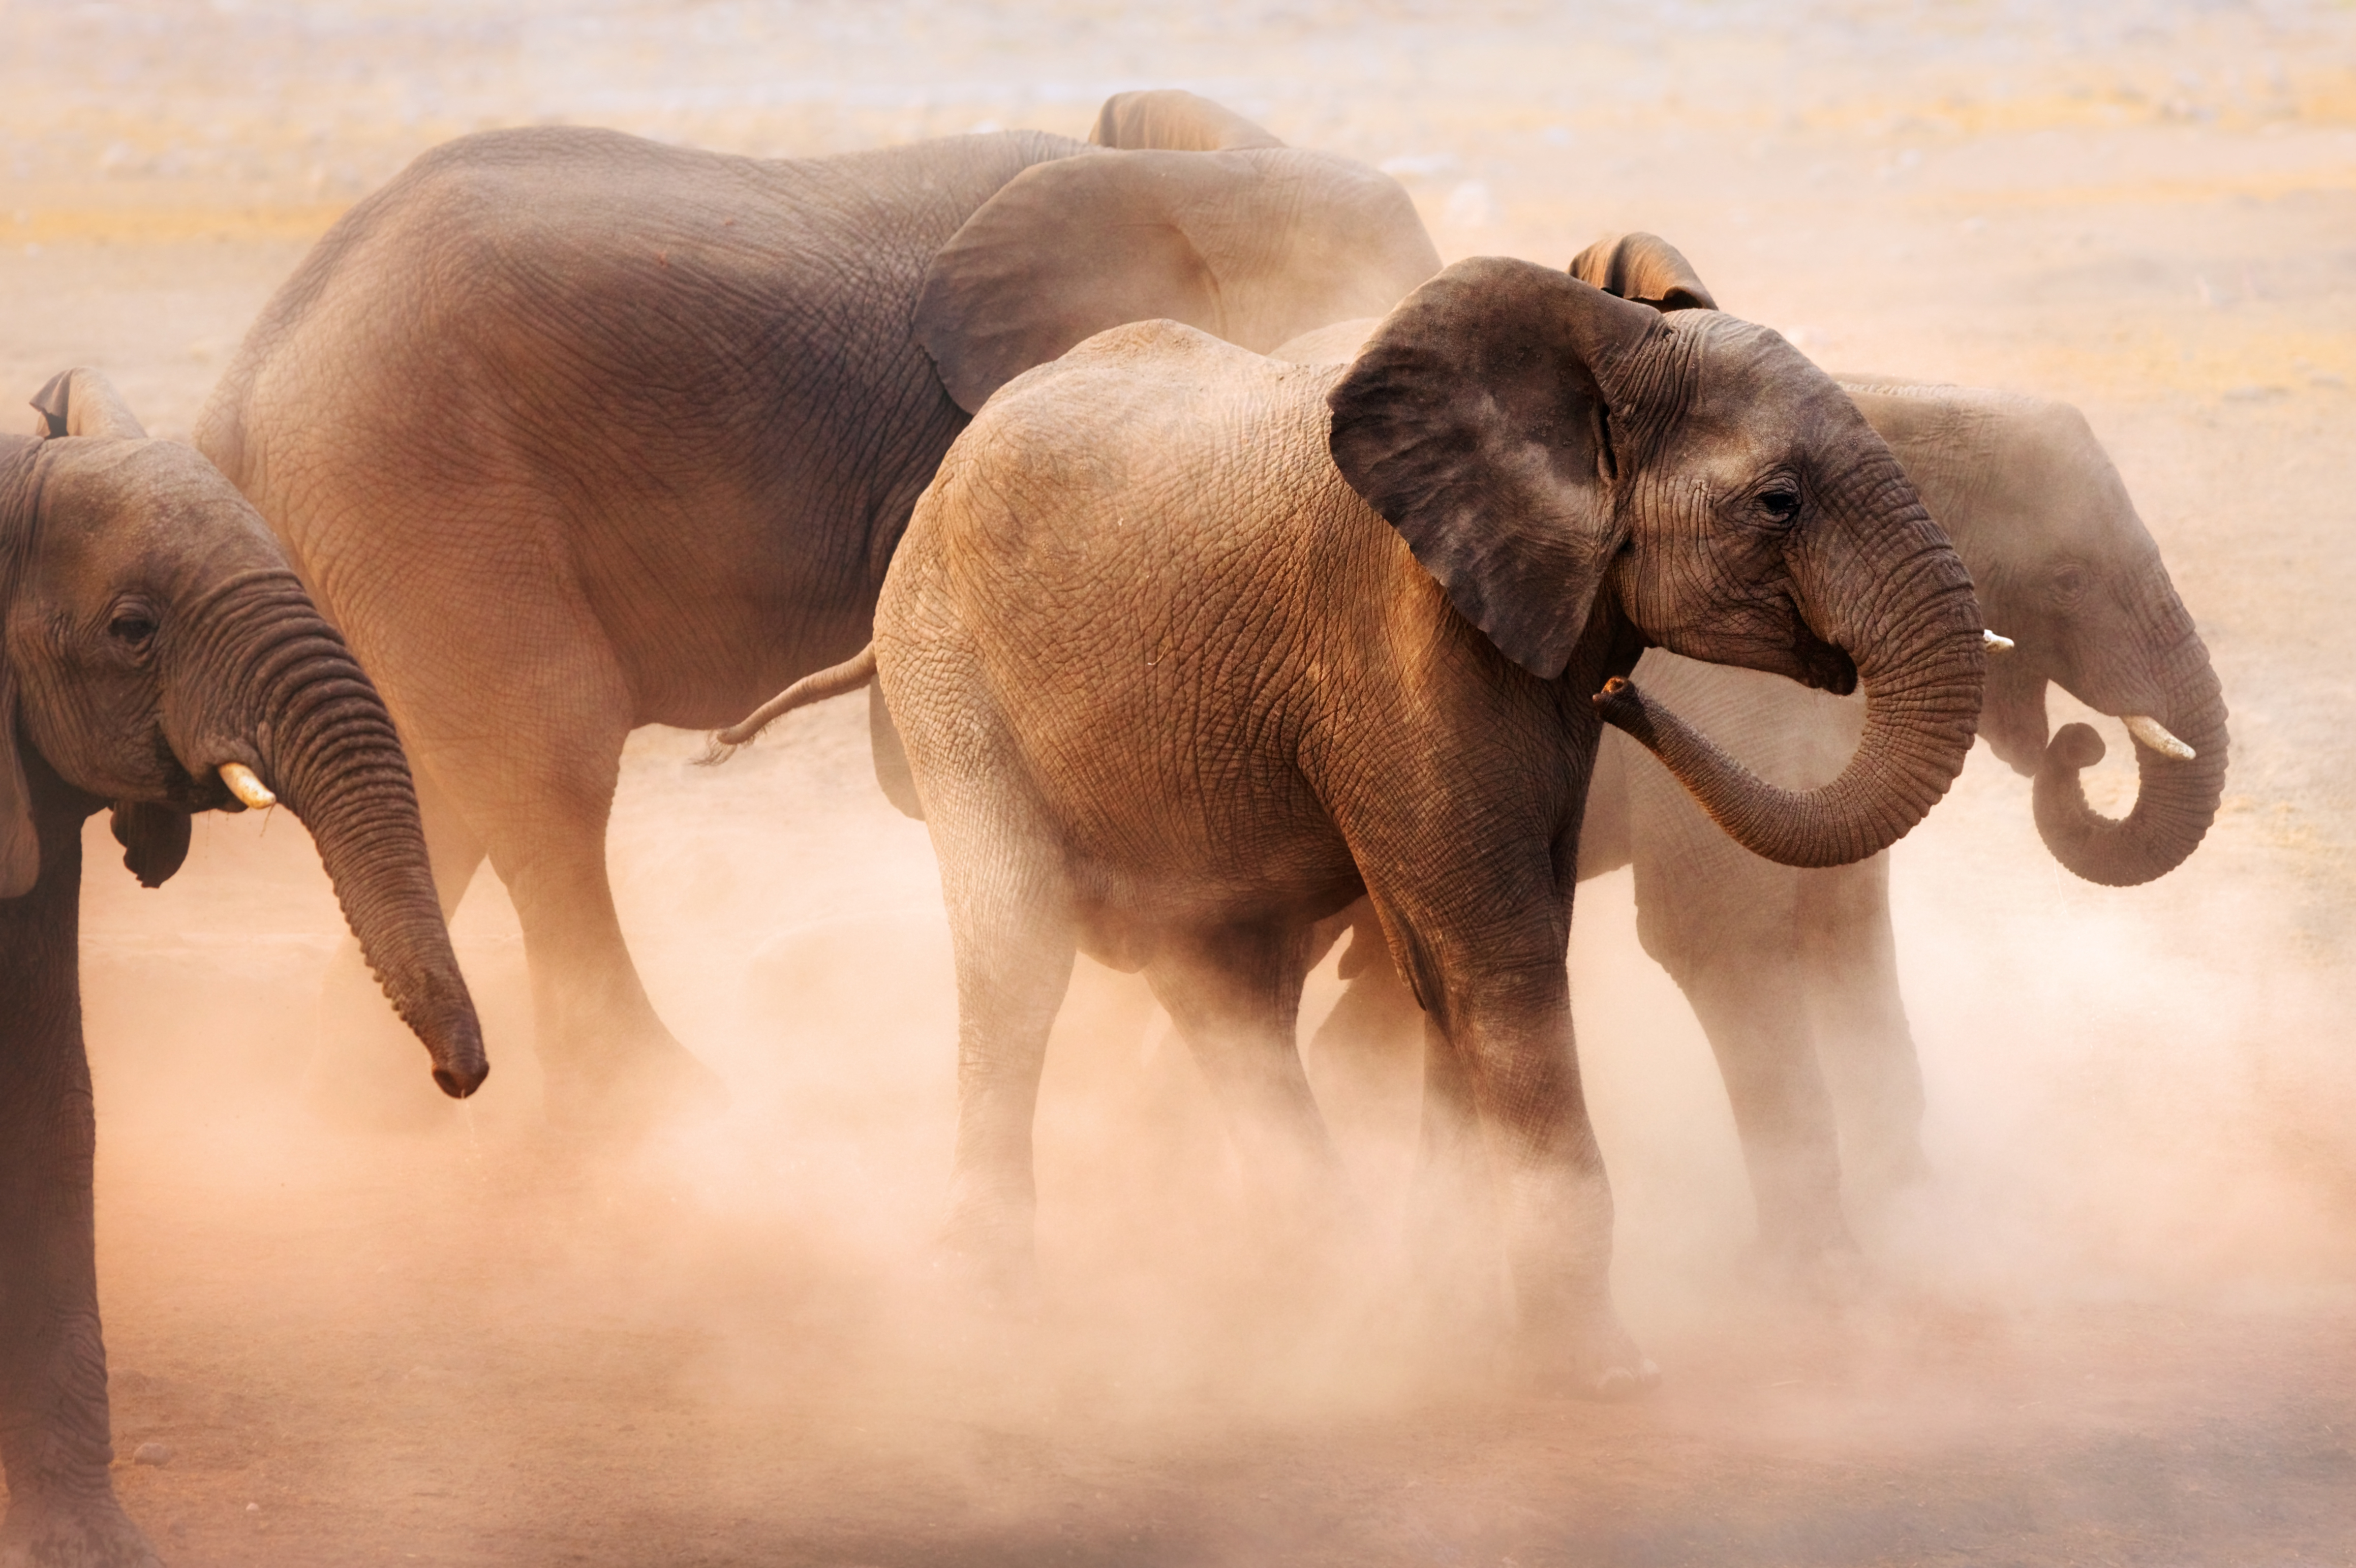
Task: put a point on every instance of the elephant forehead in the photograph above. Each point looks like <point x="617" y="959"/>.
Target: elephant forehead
<point x="1749" y="376"/>
<point x="155" y="501"/>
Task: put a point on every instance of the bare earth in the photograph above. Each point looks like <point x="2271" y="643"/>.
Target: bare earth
<point x="2119" y="1325"/>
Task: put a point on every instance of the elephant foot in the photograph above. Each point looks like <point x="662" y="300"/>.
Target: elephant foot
<point x="1829" y="1271"/>
<point x="1595" y="1359"/>
<point x="985" y="1257"/>
<point x="625" y="1094"/>
<point x="92" y="1532"/>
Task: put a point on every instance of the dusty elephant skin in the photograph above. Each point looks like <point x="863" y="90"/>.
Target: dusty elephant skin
<point x="1792" y="972"/>
<point x="156" y="654"/>
<point x="1189" y="648"/>
<point x="571" y="432"/>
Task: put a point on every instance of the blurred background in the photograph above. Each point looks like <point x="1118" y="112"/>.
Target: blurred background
<point x="2118" y="1324"/>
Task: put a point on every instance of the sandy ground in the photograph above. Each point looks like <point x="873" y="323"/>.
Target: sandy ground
<point x="2119" y="1325"/>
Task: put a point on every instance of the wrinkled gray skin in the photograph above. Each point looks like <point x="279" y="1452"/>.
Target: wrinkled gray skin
<point x="1189" y="649"/>
<point x="150" y="632"/>
<point x="571" y="432"/>
<point x="1793" y="973"/>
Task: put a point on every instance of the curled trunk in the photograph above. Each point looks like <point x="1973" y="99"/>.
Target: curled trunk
<point x="1880" y="583"/>
<point x="2175" y="800"/>
<point x="305" y="717"/>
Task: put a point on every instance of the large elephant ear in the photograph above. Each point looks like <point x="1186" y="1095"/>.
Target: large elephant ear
<point x="81" y="401"/>
<point x="1255" y="247"/>
<point x="1477" y="421"/>
<point x="1176" y="121"/>
<point x="1644" y="268"/>
<point x="20" y="841"/>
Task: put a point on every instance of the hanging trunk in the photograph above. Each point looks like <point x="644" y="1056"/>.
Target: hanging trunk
<point x="318" y="734"/>
<point x="1880" y="581"/>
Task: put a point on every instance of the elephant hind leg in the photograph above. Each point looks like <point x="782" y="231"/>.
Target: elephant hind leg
<point x="1234" y="991"/>
<point x="530" y="762"/>
<point x="1015" y="934"/>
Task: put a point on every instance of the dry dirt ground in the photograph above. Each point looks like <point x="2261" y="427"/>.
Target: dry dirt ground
<point x="2119" y="1323"/>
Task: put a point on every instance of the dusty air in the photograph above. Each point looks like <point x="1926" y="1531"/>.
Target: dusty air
<point x="959" y="783"/>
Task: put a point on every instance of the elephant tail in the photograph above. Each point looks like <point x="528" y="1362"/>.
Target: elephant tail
<point x="835" y="680"/>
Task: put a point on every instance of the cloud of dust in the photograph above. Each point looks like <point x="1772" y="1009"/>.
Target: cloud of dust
<point x="2138" y="1099"/>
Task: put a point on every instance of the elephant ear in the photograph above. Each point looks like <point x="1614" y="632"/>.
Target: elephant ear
<point x="1644" y="268"/>
<point x="154" y="840"/>
<point x="1477" y="422"/>
<point x="20" y="841"/>
<point x="81" y="401"/>
<point x="1255" y="247"/>
<point x="1176" y="121"/>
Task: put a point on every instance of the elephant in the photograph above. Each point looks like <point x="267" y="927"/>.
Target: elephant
<point x="1189" y="648"/>
<point x="571" y="432"/>
<point x="159" y="657"/>
<point x="1793" y="973"/>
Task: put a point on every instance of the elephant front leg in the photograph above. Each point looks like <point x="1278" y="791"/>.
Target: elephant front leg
<point x="1513" y="1035"/>
<point x="1752" y="1005"/>
<point x="1848" y="958"/>
<point x="54" y="1440"/>
<point x="1726" y="926"/>
<point x="1235" y="994"/>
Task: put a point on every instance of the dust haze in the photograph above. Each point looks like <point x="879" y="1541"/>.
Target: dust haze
<point x="2118" y="1323"/>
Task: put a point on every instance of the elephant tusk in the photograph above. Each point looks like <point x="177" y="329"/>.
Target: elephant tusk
<point x="2148" y="733"/>
<point x="247" y="785"/>
<point x="1995" y="644"/>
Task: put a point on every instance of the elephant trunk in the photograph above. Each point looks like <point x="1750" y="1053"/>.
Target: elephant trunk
<point x="2176" y="798"/>
<point x="1882" y="581"/>
<point x="302" y="713"/>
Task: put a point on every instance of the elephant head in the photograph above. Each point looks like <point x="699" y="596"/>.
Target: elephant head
<point x="2067" y="569"/>
<point x="157" y="653"/>
<point x="2063" y="567"/>
<point x="1193" y="214"/>
<point x="1546" y="448"/>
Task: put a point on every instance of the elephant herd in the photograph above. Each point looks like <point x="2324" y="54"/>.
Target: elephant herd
<point x="1226" y="573"/>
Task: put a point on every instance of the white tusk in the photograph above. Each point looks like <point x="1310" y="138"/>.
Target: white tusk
<point x="247" y="785"/>
<point x="2148" y="733"/>
<point x="1995" y="644"/>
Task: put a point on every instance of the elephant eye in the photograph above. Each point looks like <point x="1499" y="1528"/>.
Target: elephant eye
<point x="1782" y="504"/>
<point x="2070" y="585"/>
<point x="131" y="627"/>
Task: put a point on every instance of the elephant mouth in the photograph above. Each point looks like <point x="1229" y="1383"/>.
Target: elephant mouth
<point x="1822" y="664"/>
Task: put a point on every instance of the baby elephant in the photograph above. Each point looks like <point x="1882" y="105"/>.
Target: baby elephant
<point x="157" y="657"/>
<point x="1793" y="973"/>
<point x="1189" y="649"/>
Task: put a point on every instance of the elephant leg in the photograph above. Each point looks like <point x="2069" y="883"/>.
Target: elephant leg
<point x="1510" y="1032"/>
<point x="1016" y="936"/>
<point x="1234" y="993"/>
<point x="1850" y="959"/>
<point x="1368" y="1048"/>
<point x="1724" y="927"/>
<point x="1451" y="1207"/>
<point x="366" y="1069"/>
<point x="532" y="773"/>
<point x="55" y="1445"/>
